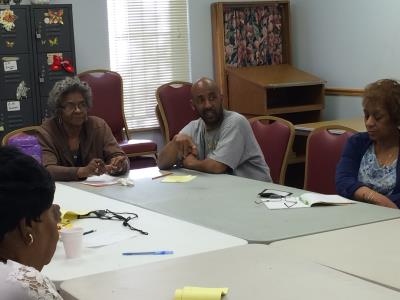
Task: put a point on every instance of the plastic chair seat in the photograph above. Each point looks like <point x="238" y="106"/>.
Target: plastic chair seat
<point x="138" y="147"/>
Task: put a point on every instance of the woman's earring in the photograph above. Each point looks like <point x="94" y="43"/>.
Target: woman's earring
<point x="30" y="239"/>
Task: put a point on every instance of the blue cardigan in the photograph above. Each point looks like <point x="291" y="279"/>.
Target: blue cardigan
<point x="347" y="169"/>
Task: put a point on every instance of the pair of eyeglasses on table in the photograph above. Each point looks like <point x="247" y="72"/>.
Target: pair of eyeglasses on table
<point x="268" y="195"/>
<point x="107" y="214"/>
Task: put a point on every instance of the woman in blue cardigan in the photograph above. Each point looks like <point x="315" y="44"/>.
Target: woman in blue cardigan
<point x="369" y="168"/>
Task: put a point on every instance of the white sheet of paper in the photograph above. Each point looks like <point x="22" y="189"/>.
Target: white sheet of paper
<point x="312" y="198"/>
<point x="106" y="237"/>
<point x="101" y="180"/>
<point x="144" y="173"/>
<point x="288" y="202"/>
<point x="106" y="232"/>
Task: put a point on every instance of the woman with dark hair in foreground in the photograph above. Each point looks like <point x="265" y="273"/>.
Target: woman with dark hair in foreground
<point x="28" y="227"/>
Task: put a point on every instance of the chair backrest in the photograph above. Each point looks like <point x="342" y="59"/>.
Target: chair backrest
<point x="275" y="137"/>
<point x="160" y="121"/>
<point x="25" y="140"/>
<point x="324" y="149"/>
<point x="31" y="130"/>
<point x="107" y="90"/>
<point x="175" y="107"/>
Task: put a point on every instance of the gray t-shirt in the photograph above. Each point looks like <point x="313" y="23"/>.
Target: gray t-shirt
<point x="232" y="144"/>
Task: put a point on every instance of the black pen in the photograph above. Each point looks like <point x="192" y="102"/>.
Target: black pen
<point x="90" y="231"/>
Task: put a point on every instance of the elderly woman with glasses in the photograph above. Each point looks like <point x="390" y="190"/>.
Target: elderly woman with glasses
<point x="75" y="145"/>
<point x="369" y="169"/>
<point x="28" y="227"/>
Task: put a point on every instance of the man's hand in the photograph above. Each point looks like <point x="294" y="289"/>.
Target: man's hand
<point x="177" y="149"/>
<point x="184" y="145"/>
<point x="189" y="161"/>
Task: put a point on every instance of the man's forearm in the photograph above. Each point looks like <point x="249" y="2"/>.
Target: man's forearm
<point x="207" y="165"/>
<point x="167" y="156"/>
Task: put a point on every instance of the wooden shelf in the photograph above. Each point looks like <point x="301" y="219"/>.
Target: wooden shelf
<point x="294" y="109"/>
<point x="275" y="76"/>
<point x="277" y="89"/>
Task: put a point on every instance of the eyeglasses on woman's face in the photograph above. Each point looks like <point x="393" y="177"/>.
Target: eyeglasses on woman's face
<point x="74" y="102"/>
<point x="71" y="106"/>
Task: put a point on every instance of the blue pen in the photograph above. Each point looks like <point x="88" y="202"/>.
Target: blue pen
<point x="149" y="253"/>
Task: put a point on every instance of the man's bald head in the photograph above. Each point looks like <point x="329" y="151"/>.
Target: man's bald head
<point x="204" y="83"/>
<point x="207" y="100"/>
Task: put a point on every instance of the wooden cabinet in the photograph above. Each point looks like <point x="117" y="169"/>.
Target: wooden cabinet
<point x="276" y="90"/>
<point x="30" y="36"/>
<point x="251" y="43"/>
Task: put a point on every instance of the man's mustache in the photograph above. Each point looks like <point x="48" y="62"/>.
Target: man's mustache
<point x="209" y="110"/>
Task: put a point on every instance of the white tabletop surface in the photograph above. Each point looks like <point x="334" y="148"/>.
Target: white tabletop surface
<point x="250" y="272"/>
<point x="226" y="203"/>
<point x="369" y="251"/>
<point x="165" y="233"/>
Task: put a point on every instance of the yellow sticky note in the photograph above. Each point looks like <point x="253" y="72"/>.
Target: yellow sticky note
<point x="200" y="293"/>
<point x="177" y="178"/>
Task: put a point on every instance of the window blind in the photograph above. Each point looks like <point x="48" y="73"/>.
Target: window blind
<point x="149" y="46"/>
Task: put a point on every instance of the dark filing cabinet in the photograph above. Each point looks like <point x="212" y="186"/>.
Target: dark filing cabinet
<point x="36" y="50"/>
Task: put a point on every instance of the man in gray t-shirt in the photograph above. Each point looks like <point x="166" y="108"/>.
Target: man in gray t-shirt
<point x="220" y="141"/>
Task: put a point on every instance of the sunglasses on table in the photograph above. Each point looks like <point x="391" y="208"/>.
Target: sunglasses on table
<point x="106" y="214"/>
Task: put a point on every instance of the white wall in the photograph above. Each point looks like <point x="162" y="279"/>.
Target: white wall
<point x="200" y="38"/>
<point x="349" y="43"/>
<point x="90" y="33"/>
